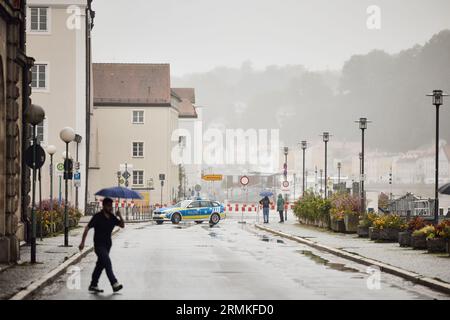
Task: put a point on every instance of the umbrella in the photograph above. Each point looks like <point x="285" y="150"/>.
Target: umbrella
<point x="266" y="194"/>
<point x="118" y="192"/>
<point x="445" y="189"/>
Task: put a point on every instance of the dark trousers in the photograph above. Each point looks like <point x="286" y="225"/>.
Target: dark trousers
<point x="281" y="215"/>
<point x="103" y="262"/>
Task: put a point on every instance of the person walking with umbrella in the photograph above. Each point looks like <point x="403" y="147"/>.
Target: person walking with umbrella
<point x="280" y="207"/>
<point x="103" y="224"/>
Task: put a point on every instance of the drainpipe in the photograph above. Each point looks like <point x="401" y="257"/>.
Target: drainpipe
<point x="89" y="25"/>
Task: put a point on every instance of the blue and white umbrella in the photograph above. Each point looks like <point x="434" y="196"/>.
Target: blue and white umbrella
<point x="266" y="193"/>
<point x="119" y="192"/>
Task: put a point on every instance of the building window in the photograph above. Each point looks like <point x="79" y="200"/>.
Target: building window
<point x="138" y="117"/>
<point x="39" y="19"/>
<point x="39" y="76"/>
<point x="138" y="177"/>
<point x="138" y="149"/>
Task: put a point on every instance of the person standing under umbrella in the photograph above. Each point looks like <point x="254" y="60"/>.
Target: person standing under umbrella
<point x="280" y="207"/>
<point x="265" y="202"/>
<point x="103" y="223"/>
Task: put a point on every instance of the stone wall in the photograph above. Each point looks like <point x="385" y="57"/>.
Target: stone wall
<point x="13" y="66"/>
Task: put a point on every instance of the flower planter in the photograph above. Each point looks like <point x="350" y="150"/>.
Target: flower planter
<point x="389" y="234"/>
<point x="339" y="226"/>
<point x="363" y="232"/>
<point x="436" y="245"/>
<point x="419" y="242"/>
<point x="404" y="238"/>
<point x="351" y="223"/>
<point x="374" y="234"/>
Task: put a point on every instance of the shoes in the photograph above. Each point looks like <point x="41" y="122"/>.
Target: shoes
<point x="95" y="289"/>
<point x="117" y="287"/>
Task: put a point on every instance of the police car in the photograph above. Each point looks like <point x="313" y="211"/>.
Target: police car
<point x="191" y="210"/>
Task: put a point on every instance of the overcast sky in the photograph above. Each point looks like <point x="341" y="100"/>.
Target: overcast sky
<point x="198" y="35"/>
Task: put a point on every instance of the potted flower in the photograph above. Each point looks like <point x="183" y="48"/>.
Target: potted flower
<point x="364" y="224"/>
<point x="337" y="220"/>
<point x="404" y="237"/>
<point x="374" y="230"/>
<point x="389" y="226"/>
<point x="436" y="240"/>
<point x="346" y="208"/>
<point x="419" y="237"/>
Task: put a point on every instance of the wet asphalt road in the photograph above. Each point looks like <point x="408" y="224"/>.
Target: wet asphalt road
<point x="229" y="261"/>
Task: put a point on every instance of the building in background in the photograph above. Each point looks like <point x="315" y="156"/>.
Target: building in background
<point x="58" y="34"/>
<point x="135" y="114"/>
<point x="190" y="118"/>
<point x="14" y="132"/>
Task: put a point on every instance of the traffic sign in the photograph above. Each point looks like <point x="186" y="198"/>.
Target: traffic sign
<point x="213" y="177"/>
<point x="286" y="184"/>
<point x="126" y="175"/>
<point x="60" y="167"/>
<point x="198" y="188"/>
<point x="77" y="179"/>
<point x="245" y="180"/>
<point x="40" y="157"/>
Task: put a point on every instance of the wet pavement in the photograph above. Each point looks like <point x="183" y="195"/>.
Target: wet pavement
<point x="432" y="265"/>
<point x="229" y="261"/>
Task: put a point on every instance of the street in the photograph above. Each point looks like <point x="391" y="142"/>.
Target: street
<point x="229" y="261"/>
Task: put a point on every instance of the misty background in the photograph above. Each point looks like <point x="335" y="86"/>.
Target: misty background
<point x="301" y="66"/>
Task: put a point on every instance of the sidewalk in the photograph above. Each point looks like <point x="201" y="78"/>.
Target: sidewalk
<point x="434" y="266"/>
<point x="49" y="254"/>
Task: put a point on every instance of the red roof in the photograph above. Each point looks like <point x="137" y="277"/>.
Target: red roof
<point x="122" y="83"/>
<point x="186" y="106"/>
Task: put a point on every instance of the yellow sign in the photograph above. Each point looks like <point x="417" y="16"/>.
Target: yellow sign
<point x="213" y="177"/>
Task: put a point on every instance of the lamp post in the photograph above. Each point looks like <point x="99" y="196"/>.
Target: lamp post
<point x="286" y="152"/>
<point x="321" y="181"/>
<point x="51" y="150"/>
<point x="326" y="139"/>
<point x="304" y="146"/>
<point x="78" y="140"/>
<point x="34" y="116"/>
<point x="339" y="166"/>
<point x="67" y="135"/>
<point x="438" y="99"/>
<point x="363" y="126"/>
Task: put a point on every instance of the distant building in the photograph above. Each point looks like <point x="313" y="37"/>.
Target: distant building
<point x="190" y="118"/>
<point x="134" y="116"/>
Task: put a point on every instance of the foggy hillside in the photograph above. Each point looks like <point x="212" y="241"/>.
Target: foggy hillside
<point x="388" y="89"/>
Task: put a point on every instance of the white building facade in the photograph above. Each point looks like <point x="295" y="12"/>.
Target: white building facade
<point x="58" y="33"/>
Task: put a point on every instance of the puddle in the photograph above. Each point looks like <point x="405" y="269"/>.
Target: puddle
<point x="327" y="263"/>
<point x="266" y="238"/>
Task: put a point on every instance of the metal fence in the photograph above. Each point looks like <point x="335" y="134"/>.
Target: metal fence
<point x="129" y="213"/>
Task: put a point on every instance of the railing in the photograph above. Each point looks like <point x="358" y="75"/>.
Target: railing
<point x="137" y="213"/>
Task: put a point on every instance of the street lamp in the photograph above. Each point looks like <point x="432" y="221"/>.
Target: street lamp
<point x="339" y="166"/>
<point x="438" y="100"/>
<point x="326" y="139"/>
<point x="304" y="145"/>
<point x="51" y="150"/>
<point x="286" y="152"/>
<point x="34" y="116"/>
<point x="363" y="126"/>
<point x="78" y="140"/>
<point x="67" y="135"/>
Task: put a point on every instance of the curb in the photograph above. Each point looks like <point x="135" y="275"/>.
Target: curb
<point x="44" y="280"/>
<point x="435" y="284"/>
